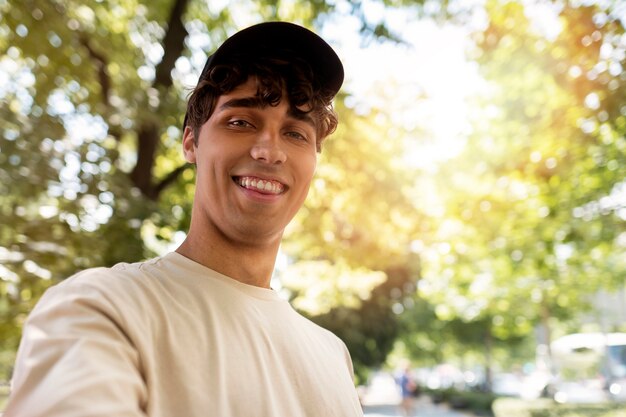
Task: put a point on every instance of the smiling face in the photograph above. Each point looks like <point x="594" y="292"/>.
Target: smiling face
<point x="255" y="163"/>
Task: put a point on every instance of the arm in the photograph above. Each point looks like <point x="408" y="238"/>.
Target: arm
<point x="76" y="359"/>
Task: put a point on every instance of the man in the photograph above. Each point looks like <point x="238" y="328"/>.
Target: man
<point x="199" y="332"/>
<point x="408" y="390"/>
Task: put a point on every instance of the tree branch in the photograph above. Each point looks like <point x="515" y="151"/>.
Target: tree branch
<point x="100" y="62"/>
<point x="148" y="132"/>
<point x="169" y="179"/>
<point x="147" y="140"/>
<point x="173" y="44"/>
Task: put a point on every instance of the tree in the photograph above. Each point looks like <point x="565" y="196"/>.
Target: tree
<point x="533" y="225"/>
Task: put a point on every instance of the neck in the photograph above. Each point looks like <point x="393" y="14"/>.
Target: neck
<point x="249" y="264"/>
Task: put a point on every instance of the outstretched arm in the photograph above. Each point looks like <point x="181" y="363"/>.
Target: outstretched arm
<point x="75" y="359"/>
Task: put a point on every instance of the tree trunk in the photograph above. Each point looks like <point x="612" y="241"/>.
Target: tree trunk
<point x="148" y="133"/>
<point x="147" y="141"/>
<point x="173" y="44"/>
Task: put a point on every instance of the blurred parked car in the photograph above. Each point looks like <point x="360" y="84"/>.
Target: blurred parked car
<point x="507" y="384"/>
<point x="581" y="392"/>
<point x="590" y="368"/>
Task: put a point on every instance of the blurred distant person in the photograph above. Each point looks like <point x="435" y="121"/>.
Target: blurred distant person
<point x="199" y="332"/>
<point x="408" y="391"/>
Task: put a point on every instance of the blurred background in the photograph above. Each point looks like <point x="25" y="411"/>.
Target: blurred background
<point x="469" y="212"/>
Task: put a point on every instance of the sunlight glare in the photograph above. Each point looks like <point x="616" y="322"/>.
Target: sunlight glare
<point x="422" y="85"/>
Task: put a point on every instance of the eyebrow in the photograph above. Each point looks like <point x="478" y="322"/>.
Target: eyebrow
<point x="258" y="103"/>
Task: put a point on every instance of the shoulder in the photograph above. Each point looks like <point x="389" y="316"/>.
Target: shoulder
<point x="107" y="279"/>
<point x="103" y="289"/>
<point x="324" y="335"/>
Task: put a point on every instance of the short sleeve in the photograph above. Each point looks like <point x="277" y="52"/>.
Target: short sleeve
<point x="76" y="358"/>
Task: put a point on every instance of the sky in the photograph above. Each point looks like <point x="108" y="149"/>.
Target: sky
<point x="426" y="84"/>
<point x="423" y="85"/>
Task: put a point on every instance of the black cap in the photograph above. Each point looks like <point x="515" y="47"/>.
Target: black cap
<point x="268" y="37"/>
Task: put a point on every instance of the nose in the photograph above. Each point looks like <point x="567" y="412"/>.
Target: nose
<point x="268" y="148"/>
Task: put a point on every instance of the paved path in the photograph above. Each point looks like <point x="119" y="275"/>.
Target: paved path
<point x="423" y="408"/>
<point x="381" y="399"/>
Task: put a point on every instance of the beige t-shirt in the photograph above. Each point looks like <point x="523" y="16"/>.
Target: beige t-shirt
<point x="170" y="337"/>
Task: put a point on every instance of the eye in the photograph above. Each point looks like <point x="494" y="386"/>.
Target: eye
<point x="299" y="131"/>
<point x="239" y="123"/>
<point x="297" y="135"/>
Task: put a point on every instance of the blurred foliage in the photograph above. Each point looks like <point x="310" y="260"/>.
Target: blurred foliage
<point x="515" y="407"/>
<point x="534" y="219"/>
<point x="479" y="403"/>
<point x="92" y="98"/>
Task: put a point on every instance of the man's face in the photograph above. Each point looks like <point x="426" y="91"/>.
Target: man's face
<point x="254" y="167"/>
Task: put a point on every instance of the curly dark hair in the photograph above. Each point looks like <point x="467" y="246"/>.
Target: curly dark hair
<point x="275" y="75"/>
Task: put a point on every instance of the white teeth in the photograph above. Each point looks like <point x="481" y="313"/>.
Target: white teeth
<point x="261" y="185"/>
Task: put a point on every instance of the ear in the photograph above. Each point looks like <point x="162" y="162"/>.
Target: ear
<point x="189" y="145"/>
